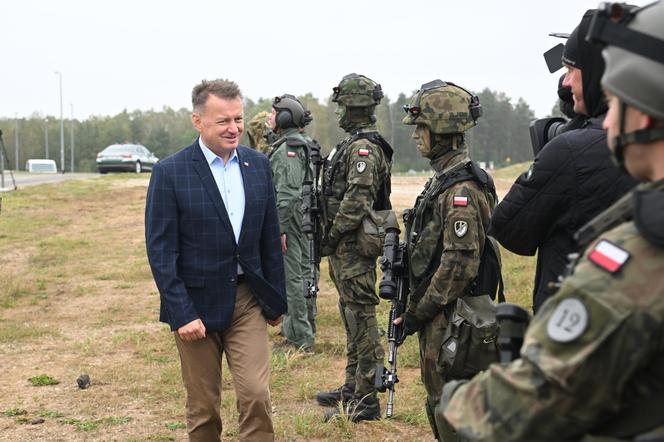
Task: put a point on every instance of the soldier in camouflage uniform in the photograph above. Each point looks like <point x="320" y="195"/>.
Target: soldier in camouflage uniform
<point x="446" y="229"/>
<point x="258" y="131"/>
<point x="290" y="165"/>
<point x="591" y="362"/>
<point x="355" y="175"/>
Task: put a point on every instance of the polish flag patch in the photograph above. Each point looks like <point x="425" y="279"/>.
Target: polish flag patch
<point x="460" y="201"/>
<point x="363" y="152"/>
<point x="608" y="256"/>
<point x="291" y="154"/>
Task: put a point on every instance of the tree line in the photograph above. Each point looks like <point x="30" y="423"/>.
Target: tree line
<point x="501" y="135"/>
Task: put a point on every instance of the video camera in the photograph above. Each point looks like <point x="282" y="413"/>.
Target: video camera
<point x="546" y="129"/>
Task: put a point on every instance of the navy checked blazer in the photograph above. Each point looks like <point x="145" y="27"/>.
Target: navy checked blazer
<point x="191" y="247"/>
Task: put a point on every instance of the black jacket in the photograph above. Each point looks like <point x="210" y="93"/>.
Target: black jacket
<point x="571" y="180"/>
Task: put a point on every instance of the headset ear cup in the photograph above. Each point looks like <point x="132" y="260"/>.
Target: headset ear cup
<point x="377" y="93"/>
<point x="284" y="120"/>
<point x="476" y="110"/>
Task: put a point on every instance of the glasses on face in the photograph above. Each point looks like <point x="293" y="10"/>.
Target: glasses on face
<point x="412" y="110"/>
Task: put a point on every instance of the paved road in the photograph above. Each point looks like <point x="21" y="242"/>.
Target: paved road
<point x="24" y="179"/>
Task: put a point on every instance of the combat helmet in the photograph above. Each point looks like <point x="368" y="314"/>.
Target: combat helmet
<point x="443" y="107"/>
<point x="357" y="91"/>
<point x="290" y="112"/>
<point x="634" y="62"/>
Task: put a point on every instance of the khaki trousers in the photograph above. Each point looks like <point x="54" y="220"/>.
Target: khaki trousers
<point x="246" y="346"/>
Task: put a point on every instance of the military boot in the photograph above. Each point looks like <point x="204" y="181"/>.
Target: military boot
<point x="332" y="398"/>
<point x="364" y="409"/>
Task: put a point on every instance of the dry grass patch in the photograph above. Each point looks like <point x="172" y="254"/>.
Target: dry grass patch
<point x="77" y="296"/>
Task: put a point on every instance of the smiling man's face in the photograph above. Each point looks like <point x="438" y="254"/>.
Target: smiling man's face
<point x="220" y="123"/>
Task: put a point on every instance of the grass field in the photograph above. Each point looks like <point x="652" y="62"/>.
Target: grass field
<point x="77" y="296"/>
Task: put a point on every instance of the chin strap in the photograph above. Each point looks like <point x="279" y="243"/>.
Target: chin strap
<point x="641" y="136"/>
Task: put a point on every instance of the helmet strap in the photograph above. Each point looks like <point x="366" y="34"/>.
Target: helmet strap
<point x="641" y="136"/>
<point x="447" y="141"/>
<point x="618" y="141"/>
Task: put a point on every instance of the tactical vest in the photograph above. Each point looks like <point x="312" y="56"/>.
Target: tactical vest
<point x="489" y="278"/>
<point x="335" y="180"/>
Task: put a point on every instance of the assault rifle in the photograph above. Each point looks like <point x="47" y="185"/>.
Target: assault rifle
<point x="395" y="287"/>
<point x="311" y="221"/>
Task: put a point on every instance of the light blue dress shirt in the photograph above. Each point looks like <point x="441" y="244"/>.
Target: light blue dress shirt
<point x="231" y="187"/>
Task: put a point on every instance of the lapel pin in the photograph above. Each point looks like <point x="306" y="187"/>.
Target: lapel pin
<point x="246" y="164"/>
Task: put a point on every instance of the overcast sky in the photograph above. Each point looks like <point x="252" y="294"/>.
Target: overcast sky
<point x="140" y="54"/>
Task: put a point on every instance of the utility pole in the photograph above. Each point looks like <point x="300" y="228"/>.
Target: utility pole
<point x="46" y="137"/>
<point x="16" y="140"/>
<point x="71" y="133"/>
<point x="62" y="129"/>
<point x="2" y="165"/>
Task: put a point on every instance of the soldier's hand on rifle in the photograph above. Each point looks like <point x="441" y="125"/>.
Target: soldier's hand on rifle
<point x="410" y="324"/>
<point x="326" y="250"/>
<point x="327" y="247"/>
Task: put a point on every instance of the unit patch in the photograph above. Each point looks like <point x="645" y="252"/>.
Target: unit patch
<point x="460" y="201"/>
<point x="460" y="228"/>
<point x="608" y="256"/>
<point x="361" y="166"/>
<point x="291" y="153"/>
<point x="363" y="152"/>
<point x="568" y="321"/>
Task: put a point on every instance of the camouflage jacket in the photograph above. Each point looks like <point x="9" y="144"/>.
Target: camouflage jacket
<point x="353" y="174"/>
<point x="257" y="131"/>
<point x="446" y="239"/>
<point x="595" y="348"/>
<point x="289" y="162"/>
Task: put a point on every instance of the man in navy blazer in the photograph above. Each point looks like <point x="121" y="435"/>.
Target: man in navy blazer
<point x="212" y="236"/>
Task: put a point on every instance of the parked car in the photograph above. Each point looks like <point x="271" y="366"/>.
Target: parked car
<point x="125" y="157"/>
<point x="41" y="166"/>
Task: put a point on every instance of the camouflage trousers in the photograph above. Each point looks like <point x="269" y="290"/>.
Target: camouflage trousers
<point x="363" y="347"/>
<point x="296" y="325"/>
<point x="433" y="376"/>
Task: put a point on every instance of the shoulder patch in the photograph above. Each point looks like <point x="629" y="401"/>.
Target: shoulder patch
<point x="460" y="228"/>
<point x="291" y="153"/>
<point x="361" y="166"/>
<point x="363" y="152"/>
<point x="568" y="321"/>
<point x="608" y="256"/>
<point x="460" y="201"/>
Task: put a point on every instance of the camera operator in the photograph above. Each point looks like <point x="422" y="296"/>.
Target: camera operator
<point x="545" y="129"/>
<point x="571" y="180"/>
